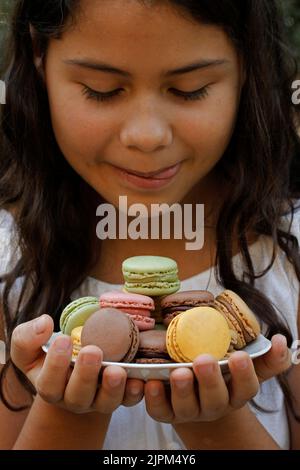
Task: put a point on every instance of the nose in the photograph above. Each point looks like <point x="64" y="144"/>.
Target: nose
<point x="146" y="129"/>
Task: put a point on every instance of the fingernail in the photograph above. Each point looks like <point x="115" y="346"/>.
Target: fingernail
<point x="91" y="360"/>
<point x="135" y="391"/>
<point x="154" y="392"/>
<point x="114" y="381"/>
<point x="39" y="325"/>
<point x="242" y="364"/>
<point x="182" y="384"/>
<point x="206" y="369"/>
<point x="62" y="345"/>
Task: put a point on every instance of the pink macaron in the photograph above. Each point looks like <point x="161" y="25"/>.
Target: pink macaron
<point x="138" y="306"/>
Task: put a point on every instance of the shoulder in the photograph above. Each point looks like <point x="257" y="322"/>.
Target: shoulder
<point x="278" y="279"/>
<point x="290" y="223"/>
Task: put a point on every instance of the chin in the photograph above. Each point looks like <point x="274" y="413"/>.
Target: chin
<point x="168" y="196"/>
<point x="150" y="199"/>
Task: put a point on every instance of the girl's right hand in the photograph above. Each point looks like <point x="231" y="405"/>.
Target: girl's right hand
<point x="75" y="389"/>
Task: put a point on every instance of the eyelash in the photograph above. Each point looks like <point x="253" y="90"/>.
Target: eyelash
<point x="103" y="97"/>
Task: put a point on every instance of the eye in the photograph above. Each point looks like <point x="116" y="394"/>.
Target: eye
<point x="99" y="96"/>
<point x="192" y="95"/>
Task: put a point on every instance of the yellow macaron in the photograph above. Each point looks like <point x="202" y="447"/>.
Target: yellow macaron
<point x="200" y="330"/>
<point x="76" y="339"/>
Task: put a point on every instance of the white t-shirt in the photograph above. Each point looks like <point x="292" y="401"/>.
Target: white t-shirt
<point x="133" y="428"/>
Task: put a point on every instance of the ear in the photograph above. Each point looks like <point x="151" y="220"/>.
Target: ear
<point x="37" y="54"/>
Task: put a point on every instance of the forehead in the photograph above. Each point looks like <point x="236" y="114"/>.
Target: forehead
<point x="134" y="32"/>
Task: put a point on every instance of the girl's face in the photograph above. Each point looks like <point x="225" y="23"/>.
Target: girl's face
<point x="146" y="140"/>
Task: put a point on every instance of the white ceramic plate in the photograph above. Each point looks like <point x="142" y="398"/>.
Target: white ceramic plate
<point x="257" y="348"/>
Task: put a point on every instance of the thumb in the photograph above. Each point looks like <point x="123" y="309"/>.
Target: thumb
<point x="27" y="340"/>
<point x="275" y="362"/>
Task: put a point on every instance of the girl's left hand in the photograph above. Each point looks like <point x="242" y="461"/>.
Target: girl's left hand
<point x="210" y="398"/>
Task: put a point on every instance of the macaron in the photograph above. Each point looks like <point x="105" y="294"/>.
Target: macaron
<point x="139" y="307"/>
<point x="76" y="340"/>
<point x="241" y="320"/>
<point x="114" y="333"/>
<point x="201" y="330"/>
<point x="77" y="312"/>
<point x="174" y="304"/>
<point x="150" y="275"/>
<point x="153" y="345"/>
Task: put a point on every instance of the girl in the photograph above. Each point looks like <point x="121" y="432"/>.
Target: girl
<point x="170" y="101"/>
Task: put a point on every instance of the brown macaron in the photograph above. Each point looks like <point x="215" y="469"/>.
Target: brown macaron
<point x="114" y="333"/>
<point x="174" y="304"/>
<point x="153" y="345"/>
<point x="241" y="320"/>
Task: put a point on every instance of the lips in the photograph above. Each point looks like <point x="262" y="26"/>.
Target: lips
<point x="165" y="173"/>
<point x="153" y="180"/>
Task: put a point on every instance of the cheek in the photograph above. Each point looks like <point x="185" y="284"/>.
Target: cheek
<point x="77" y="127"/>
<point x="209" y="130"/>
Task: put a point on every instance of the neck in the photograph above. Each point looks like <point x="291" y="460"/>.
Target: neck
<point x="190" y="262"/>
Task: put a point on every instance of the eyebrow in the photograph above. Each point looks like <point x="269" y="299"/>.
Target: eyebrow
<point x="103" y="67"/>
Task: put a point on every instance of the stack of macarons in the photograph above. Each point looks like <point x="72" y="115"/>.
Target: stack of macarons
<point x="125" y="324"/>
<point x="154" y="276"/>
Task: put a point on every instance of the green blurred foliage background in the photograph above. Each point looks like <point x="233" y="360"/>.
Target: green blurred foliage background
<point x="5" y="8"/>
<point x="291" y="9"/>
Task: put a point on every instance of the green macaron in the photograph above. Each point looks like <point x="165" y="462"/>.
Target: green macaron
<point x="150" y="275"/>
<point x="77" y="312"/>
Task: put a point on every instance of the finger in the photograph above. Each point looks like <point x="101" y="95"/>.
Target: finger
<point x="213" y="393"/>
<point x="244" y="384"/>
<point x="157" y="403"/>
<point x="275" y="362"/>
<point x="134" y="392"/>
<point x="111" y="392"/>
<point x="82" y="386"/>
<point x="184" y="399"/>
<point x="27" y="340"/>
<point x="51" y="381"/>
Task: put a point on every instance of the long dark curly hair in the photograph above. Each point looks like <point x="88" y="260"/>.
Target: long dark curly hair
<point x="261" y="164"/>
